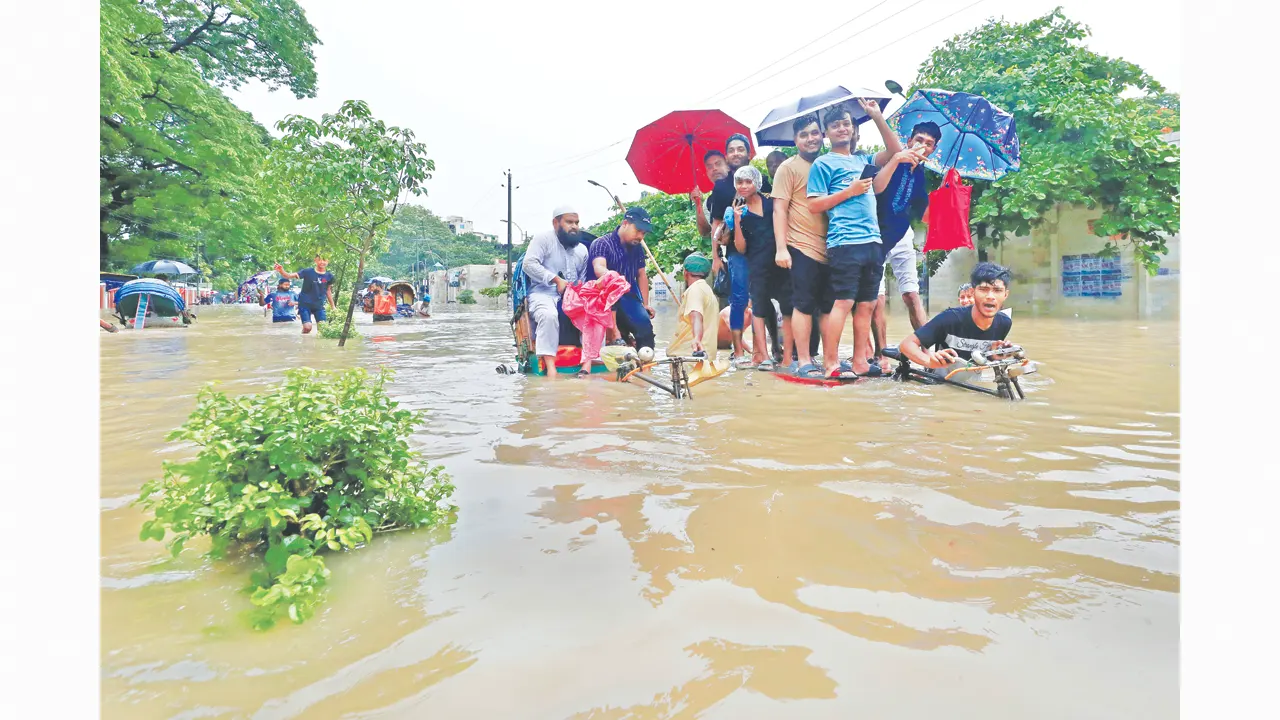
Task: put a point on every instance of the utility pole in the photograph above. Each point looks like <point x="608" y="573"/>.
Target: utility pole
<point x="509" y="227"/>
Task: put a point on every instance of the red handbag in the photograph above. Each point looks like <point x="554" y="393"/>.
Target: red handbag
<point x="949" y="215"/>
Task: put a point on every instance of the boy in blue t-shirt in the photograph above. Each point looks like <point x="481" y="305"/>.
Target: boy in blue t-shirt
<point x="283" y="303"/>
<point x="841" y="185"/>
<point x="317" y="288"/>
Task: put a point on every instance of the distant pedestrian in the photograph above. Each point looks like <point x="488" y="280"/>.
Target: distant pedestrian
<point x="317" y="288"/>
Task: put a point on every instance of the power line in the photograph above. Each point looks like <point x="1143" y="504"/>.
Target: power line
<point x="573" y="159"/>
<point x="805" y="46"/>
<point x="863" y="57"/>
<point x="571" y="174"/>
<point x="820" y="52"/>
<point x="562" y="162"/>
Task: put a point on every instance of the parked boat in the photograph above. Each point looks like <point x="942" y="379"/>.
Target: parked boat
<point x="156" y="302"/>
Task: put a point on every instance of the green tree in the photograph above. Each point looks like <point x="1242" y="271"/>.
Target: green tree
<point x="179" y="163"/>
<point x="344" y="177"/>
<point x="418" y="234"/>
<point x="1089" y="129"/>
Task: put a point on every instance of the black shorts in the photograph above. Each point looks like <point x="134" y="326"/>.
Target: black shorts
<point x="767" y="282"/>
<point x="855" y="271"/>
<point x="810" y="284"/>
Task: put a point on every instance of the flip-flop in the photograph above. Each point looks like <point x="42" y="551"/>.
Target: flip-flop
<point x="873" y="371"/>
<point x="808" y="370"/>
<point x="767" y="366"/>
<point x="844" y="372"/>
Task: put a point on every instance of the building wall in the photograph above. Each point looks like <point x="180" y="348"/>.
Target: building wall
<point x="477" y="278"/>
<point x="1039" y="286"/>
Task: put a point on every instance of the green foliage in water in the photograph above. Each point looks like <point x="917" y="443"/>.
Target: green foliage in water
<point x="332" y="330"/>
<point x="498" y="291"/>
<point x="320" y="463"/>
<point x="466" y="297"/>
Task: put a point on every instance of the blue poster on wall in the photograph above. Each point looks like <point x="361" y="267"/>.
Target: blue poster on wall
<point x="1091" y="276"/>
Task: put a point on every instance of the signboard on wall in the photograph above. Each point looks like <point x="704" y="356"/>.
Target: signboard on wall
<point x="1091" y="276"/>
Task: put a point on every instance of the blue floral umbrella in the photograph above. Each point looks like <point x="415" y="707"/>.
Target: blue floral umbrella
<point x="978" y="139"/>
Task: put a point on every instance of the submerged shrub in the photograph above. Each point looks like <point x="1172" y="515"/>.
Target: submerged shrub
<point x="466" y="297"/>
<point x="319" y="463"/>
<point x="332" y="330"/>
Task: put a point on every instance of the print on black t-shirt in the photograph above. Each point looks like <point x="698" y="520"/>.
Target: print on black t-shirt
<point x="954" y="328"/>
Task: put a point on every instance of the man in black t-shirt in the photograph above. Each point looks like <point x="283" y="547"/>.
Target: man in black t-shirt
<point x="737" y="151"/>
<point x="954" y="334"/>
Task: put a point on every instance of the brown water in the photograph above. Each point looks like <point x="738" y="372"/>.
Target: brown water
<point x="764" y="550"/>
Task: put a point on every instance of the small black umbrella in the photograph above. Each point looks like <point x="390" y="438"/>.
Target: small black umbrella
<point x="166" y="267"/>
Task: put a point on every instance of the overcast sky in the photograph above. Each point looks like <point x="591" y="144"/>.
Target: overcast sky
<point x="535" y="87"/>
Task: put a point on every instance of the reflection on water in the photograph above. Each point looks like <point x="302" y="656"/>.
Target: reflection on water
<point x="764" y="550"/>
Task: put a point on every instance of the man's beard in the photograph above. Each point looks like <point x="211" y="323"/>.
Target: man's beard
<point x="566" y="238"/>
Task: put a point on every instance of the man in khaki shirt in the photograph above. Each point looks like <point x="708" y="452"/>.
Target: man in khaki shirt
<point x="801" y="238"/>
<point x="699" y="312"/>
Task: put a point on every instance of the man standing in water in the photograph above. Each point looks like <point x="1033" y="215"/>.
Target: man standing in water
<point x="283" y="305"/>
<point x="841" y="185"/>
<point x="903" y="198"/>
<point x="620" y="252"/>
<point x="801" y="240"/>
<point x="317" y="287"/>
<point x="737" y="151"/>
<point x="555" y="260"/>
<point x="717" y="168"/>
<point x="772" y="162"/>
<point x="955" y="333"/>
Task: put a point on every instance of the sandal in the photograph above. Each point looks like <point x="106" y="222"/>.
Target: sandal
<point x="843" y="372"/>
<point x="767" y="366"/>
<point x="808" y="370"/>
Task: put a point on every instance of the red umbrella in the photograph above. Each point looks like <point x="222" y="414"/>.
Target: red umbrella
<point x="667" y="153"/>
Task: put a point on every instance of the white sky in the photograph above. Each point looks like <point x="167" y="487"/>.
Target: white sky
<point x="489" y="86"/>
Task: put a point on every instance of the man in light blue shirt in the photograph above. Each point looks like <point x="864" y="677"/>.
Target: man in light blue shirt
<point x="555" y="260"/>
<point x="841" y="185"/>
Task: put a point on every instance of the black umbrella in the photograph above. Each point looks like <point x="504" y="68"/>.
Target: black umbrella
<point x="165" y="267"/>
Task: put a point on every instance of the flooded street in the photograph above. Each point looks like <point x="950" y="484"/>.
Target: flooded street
<point x="763" y="550"/>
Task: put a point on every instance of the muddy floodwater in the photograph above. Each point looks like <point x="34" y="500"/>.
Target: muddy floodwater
<point x="764" y="550"/>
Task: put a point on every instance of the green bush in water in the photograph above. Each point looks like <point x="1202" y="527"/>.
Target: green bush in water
<point x="320" y="463"/>
<point x="332" y="330"/>
<point x="498" y="291"/>
<point x="466" y="297"/>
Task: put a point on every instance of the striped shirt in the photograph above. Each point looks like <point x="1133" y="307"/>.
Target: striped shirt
<point x="624" y="259"/>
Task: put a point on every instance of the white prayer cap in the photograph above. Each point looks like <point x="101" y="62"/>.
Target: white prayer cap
<point x="563" y="210"/>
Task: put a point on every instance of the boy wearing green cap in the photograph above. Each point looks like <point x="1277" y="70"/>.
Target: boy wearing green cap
<point x="699" y="312"/>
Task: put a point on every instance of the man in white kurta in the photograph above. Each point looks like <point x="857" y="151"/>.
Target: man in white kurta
<point x="555" y="259"/>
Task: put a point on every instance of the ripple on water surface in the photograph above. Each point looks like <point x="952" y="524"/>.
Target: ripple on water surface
<point x="762" y="550"/>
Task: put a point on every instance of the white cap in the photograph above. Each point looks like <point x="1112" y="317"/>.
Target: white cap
<point x="563" y="210"/>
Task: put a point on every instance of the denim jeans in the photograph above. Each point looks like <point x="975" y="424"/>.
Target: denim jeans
<point x="633" y="319"/>
<point x="739" y="290"/>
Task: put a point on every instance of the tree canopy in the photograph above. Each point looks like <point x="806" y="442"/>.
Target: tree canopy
<point x="179" y="163"/>
<point x="1089" y="127"/>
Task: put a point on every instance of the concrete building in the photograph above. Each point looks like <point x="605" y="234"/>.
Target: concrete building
<point x="459" y="225"/>
<point x="1057" y="271"/>
<point x="468" y="277"/>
